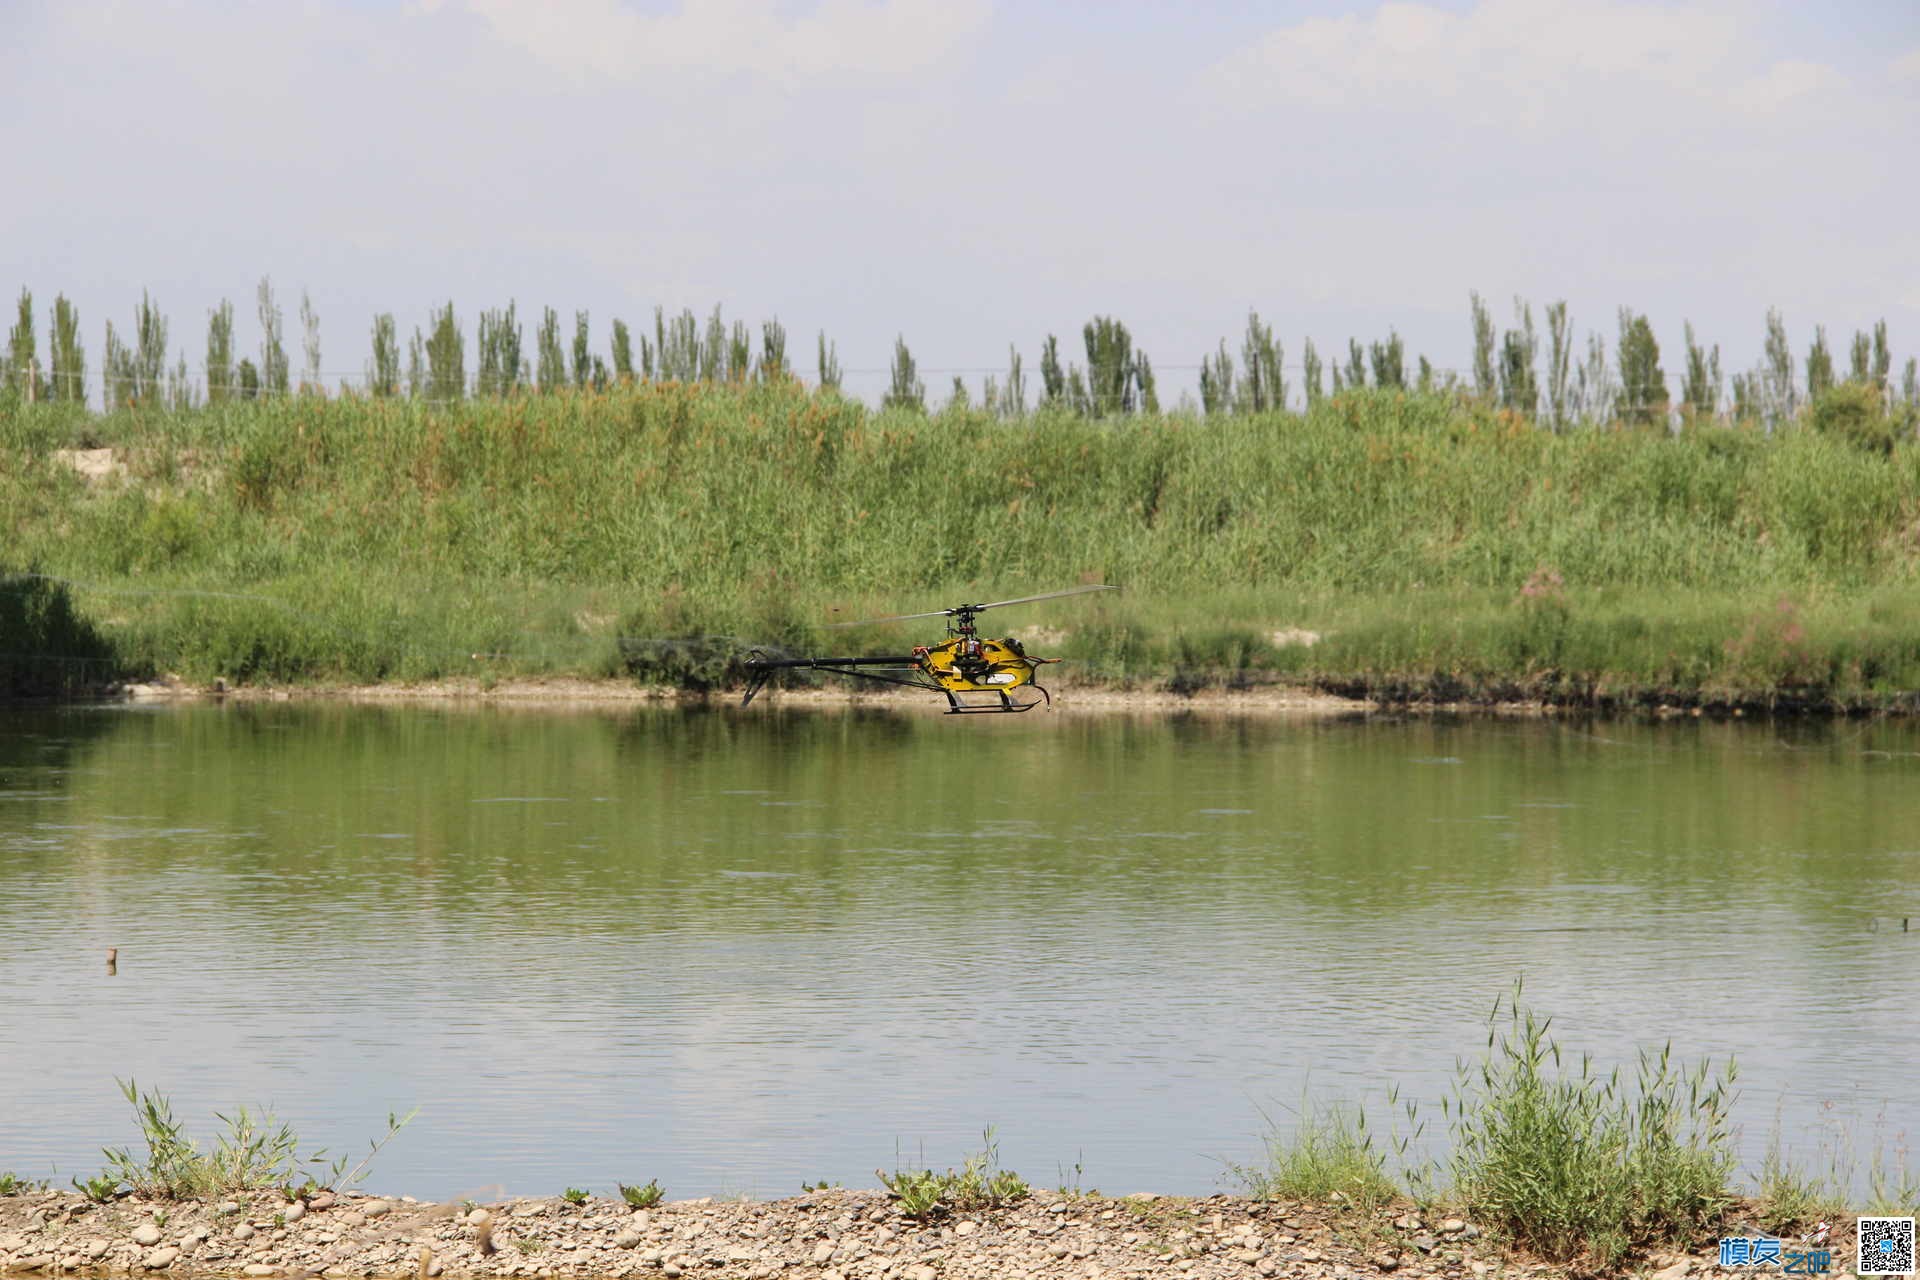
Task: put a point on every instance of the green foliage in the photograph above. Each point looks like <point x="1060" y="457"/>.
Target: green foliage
<point x="622" y="351"/>
<point x="252" y="1153"/>
<point x="1700" y="390"/>
<point x="13" y="1185"/>
<point x="552" y="372"/>
<point x="98" y="1188"/>
<point x="574" y="1195"/>
<point x="1779" y="398"/>
<point x="69" y="376"/>
<point x="642" y="1197"/>
<point x="383" y="376"/>
<point x="1310" y="373"/>
<point x="1113" y="370"/>
<point x="829" y="364"/>
<point x="1819" y="365"/>
<point x="1851" y="411"/>
<point x="1216" y="382"/>
<point x="1559" y="364"/>
<point x="446" y="358"/>
<point x="1328" y="1158"/>
<point x="978" y="1184"/>
<point x="46" y="645"/>
<point x="1484" y="380"/>
<point x="1573" y="1164"/>
<point x="582" y="351"/>
<point x="773" y="352"/>
<point x="1519" y="389"/>
<point x="22" y="374"/>
<point x="1388" y="360"/>
<point x="1263" y="387"/>
<point x="220" y="374"/>
<point x="274" y="376"/>
<point x="499" y="351"/>
<point x="1643" y="387"/>
<point x="906" y="391"/>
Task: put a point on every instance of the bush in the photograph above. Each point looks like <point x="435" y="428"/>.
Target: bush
<point x="1852" y="412"/>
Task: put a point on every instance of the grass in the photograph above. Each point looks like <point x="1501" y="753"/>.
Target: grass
<point x="1575" y="1165"/>
<point x="12" y="1184"/>
<point x="574" y="1196"/>
<point x="644" y="1197"/>
<point x="1327" y="1158"/>
<point x="659" y="531"/>
<point x="251" y="1153"/>
<point x="978" y="1184"/>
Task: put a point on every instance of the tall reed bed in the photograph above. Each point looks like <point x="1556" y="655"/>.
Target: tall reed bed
<point x="1430" y="540"/>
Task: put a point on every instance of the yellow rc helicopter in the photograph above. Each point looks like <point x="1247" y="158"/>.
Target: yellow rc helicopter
<point x="963" y="666"/>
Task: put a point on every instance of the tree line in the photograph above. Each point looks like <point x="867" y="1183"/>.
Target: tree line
<point x="1543" y="377"/>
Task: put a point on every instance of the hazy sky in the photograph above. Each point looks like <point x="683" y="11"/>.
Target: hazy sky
<point x="971" y="173"/>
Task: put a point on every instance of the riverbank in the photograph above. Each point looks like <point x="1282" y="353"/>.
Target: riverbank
<point x="1399" y="547"/>
<point x="822" y="1235"/>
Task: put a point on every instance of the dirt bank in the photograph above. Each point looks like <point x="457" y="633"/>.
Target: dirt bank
<point x="823" y="1235"/>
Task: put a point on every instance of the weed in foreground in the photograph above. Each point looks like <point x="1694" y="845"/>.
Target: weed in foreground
<point x="1579" y="1166"/>
<point x="254" y="1153"/>
<point x="642" y="1197"/>
<point x="574" y="1195"/>
<point x="12" y="1184"/>
<point x="1329" y="1158"/>
<point x="979" y="1184"/>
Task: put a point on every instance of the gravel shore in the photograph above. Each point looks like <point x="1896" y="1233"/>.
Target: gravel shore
<point x="823" y="1235"/>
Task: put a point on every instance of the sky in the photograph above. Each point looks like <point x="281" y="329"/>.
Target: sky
<point x="970" y="174"/>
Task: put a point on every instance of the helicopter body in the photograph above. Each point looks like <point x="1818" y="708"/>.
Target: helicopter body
<point x="975" y="674"/>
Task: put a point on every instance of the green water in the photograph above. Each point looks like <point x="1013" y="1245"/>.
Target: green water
<point x="733" y="951"/>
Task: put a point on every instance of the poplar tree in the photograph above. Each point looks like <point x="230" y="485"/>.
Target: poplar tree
<point x="1356" y="364"/>
<point x="1597" y="391"/>
<point x="1484" y="380"/>
<point x="1882" y="359"/>
<point x="1053" y="379"/>
<point x="446" y="358"/>
<point x="384" y="377"/>
<point x="1519" y="387"/>
<point x="829" y="362"/>
<point x="1426" y="374"/>
<point x="1149" y="393"/>
<point x="582" y="351"/>
<point x="220" y="353"/>
<point x="249" y="380"/>
<point x="957" y="398"/>
<point x="1862" y="353"/>
<point x="622" y="352"/>
<point x="552" y="367"/>
<point x="907" y="391"/>
<point x="23" y="366"/>
<point x="1819" y="365"/>
<point x="1700" y="389"/>
<point x="310" y="343"/>
<point x="1216" y="382"/>
<point x="1262" y="387"/>
<point x="713" y="350"/>
<point x="150" y="352"/>
<point x="773" y="352"/>
<point x="1559" y="359"/>
<point x="416" y="365"/>
<point x="739" y="352"/>
<point x="1310" y="372"/>
<point x="1780" y="395"/>
<point x="1013" y="400"/>
<point x="274" y="373"/>
<point x="1389" y="361"/>
<point x="68" y="357"/>
<point x="1111" y="372"/>
<point x="116" y="373"/>
<point x="1642" y="384"/>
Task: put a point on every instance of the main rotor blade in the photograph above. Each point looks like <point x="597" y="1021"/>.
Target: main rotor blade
<point x="1048" y="595"/>
<point x="892" y="617"/>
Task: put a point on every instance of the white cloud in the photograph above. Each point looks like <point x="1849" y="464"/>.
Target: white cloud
<point x="607" y="38"/>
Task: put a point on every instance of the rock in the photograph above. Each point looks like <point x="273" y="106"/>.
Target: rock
<point x="1478" y="1267"/>
<point x="226" y="1207"/>
<point x="293" y="1212"/>
<point x="1387" y="1262"/>
<point x="146" y="1234"/>
<point x="259" y="1269"/>
<point x="1059" y="1249"/>
<point x="244" y="1231"/>
<point x="192" y="1240"/>
<point x="325" y="1200"/>
<point x="673" y="1269"/>
<point x="965" y="1228"/>
<point x="1425" y="1244"/>
<point x="96" y="1248"/>
<point x="38" y="1262"/>
<point x="479" y="1218"/>
<point x="1453" y="1226"/>
<point x="1058" y="1206"/>
<point x="158" y="1258"/>
<point x="1245" y="1255"/>
<point x="922" y="1272"/>
<point x="1267" y="1266"/>
<point x="626" y="1240"/>
<point x="642" y="1219"/>
<point x="822" y="1252"/>
<point x="381" y="1208"/>
<point x="1675" y="1272"/>
<point x="13" y="1243"/>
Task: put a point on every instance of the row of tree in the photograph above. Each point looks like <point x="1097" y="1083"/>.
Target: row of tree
<point x="1592" y="384"/>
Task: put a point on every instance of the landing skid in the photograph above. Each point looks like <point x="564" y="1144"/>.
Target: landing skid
<point x="1005" y="705"/>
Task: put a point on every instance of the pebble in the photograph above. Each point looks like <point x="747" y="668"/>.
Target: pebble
<point x="96" y="1248"/>
<point x="378" y="1209"/>
<point x="822" y="1252"/>
<point x="626" y="1240"/>
<point x="479" y="1218"/>
<point x="259" y="1269"/>
<point x="226" y="1207"/>
<point x="965" y="1228"/>
<point x="293" y="1212"/>
<point x="158" y="1258"/>
<point x="146" y="1234"/>
<point x="244" y="1231"/>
